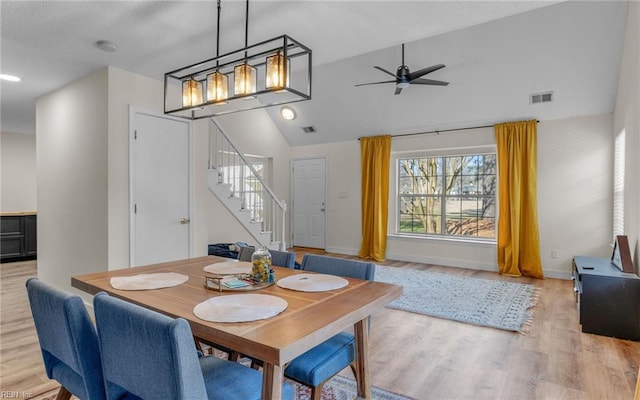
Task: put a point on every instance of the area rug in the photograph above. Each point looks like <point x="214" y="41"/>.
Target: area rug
<point x="341" y="388"/>
<point x="485" y="302"/>
<point x="337" y="388"/>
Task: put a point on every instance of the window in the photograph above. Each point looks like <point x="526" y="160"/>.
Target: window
<point x="246" y="185"/>
<point x="618" y="184"/>
<point x="453" y="196"/>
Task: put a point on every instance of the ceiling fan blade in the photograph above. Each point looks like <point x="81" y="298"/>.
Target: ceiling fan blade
<point x="374" y="83"/>
<point x="423" y="81"/>
<point x="385" y="71"/>
<point x="398" y="90"/>
<point x="424" y="71"/>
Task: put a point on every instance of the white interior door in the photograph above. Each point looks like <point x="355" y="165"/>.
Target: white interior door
<point x="309" y="203"/>
<point x="160" y="189"/>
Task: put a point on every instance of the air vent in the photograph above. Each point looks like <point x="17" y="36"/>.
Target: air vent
<point x="538" y="98"/>
<point x="308" y="129"/>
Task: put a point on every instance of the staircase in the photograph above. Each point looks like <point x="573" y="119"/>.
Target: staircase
<point x="238" y="183"/>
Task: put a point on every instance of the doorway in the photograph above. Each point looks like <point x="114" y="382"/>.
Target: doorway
<point x="309" y="203"/>
<point x="160" y="188"/>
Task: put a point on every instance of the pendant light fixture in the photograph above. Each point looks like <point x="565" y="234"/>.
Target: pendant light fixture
<point x="217" y="82"/>
<point x="203" y="90"/>
<point x="244" y="74"/>
<point x="191" y="93"/>
<point x="277" y="72"/>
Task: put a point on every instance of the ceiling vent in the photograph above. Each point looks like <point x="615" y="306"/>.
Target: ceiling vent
<point x="538" y="98"/>
<point x="308" y="129"/>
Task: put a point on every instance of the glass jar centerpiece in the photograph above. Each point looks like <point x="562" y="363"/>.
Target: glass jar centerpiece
<point x="261" y="270"/>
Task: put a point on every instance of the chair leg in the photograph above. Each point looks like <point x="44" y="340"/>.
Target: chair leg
<point x="63" y="394"/>
<point x="234" y="356"/>
<point x="354" y="370"/>
<point x="316" y="392"/>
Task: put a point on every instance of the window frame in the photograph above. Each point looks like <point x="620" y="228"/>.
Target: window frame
<point x="395" y="195"/>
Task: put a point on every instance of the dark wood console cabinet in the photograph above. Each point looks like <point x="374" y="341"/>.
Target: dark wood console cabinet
<point x="18" y="238"/>
<point x="608" y="300"/>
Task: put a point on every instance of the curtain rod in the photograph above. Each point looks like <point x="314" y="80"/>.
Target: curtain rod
<point x="444" y="130"/>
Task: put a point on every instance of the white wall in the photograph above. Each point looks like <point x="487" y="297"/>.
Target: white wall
<point x="574" y="195"/>
<point x="575" y="190"/>
<point x="82" y="142"/>
<point x="627" y="116"/>
<point x="253" y="132"/>
<point x="143" y="93"/>
<point x="18" y="166"/>
<point x="71" y="143"/>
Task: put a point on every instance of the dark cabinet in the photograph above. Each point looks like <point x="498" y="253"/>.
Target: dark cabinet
<point x="607" y="299"/>
<point x="18" y="237"/>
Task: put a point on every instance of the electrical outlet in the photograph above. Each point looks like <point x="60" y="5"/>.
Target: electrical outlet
<point x="554" y="253"/>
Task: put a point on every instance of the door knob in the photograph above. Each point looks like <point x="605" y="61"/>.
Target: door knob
<point x="184" y="221"/>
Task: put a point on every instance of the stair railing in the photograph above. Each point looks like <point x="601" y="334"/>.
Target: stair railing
<point x="246" y="183"/>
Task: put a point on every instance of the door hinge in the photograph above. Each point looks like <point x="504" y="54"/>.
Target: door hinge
<point x="135" y="134"/>
<point x="135" y="208"/>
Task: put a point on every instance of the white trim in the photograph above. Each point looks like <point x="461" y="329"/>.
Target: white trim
<point x="449" y="262"/>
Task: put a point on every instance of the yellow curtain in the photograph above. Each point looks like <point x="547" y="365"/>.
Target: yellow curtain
<point x="518" y="237"/>
<point x="374" y="157"/>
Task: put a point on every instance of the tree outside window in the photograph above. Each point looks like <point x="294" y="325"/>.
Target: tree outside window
<point x="448" y="196"/>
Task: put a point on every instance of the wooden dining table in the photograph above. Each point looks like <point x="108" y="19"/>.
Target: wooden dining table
<point x="309" y="319"/>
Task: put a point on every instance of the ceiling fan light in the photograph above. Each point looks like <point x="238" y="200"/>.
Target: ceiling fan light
<point x="244" y="80"/>
<point x="217" y="87"/>
<point x="277" y="75"/>
<point x="403" y="85"/>
<point x="191" y="93"/>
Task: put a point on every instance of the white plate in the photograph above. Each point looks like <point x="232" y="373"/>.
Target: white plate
<point x="229" y="268"/>
<point x="312" y="282"/>
<point x="148" y="281"/>
<point x="240" y="308"/>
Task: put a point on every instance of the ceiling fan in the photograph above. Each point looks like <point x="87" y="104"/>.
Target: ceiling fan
<point x="404" y="78"/>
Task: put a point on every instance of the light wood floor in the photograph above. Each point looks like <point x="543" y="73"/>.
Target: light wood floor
<point x="418" y="356"/>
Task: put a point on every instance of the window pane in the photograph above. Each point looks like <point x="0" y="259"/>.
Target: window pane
<point x="470" y="216"/>
<point x="467" y="183"/>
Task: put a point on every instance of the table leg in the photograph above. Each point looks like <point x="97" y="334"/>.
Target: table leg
<point x="272" y="379"/>
<point x="361" y="330"/>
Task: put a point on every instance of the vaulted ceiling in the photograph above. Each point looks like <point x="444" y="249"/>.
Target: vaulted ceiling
<point x="496" y="54"/>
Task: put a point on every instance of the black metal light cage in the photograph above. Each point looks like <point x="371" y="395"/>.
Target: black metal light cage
<point x="298" y="89"/>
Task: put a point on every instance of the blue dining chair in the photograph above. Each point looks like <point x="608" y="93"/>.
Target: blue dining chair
<point x="322" y="362"/>
<point x="278" y="258"/>
<point x="68" y="341"/>
<point x="148" y="355"/>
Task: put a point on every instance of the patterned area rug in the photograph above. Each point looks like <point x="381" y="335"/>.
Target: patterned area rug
<point x="338" y="388"/>
<point x="341" y="388"/>
<point x="494" y="303"/>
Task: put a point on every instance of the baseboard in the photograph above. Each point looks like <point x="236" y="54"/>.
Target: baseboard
<point x="448" y="262"/>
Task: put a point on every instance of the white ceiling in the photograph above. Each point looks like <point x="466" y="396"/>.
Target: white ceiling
<point x="572" y="48"/>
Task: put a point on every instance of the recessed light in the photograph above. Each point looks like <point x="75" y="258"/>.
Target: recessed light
<point x="106" y="45"/>
<point x="10" y="78"/>
<point x="287" y="113"/>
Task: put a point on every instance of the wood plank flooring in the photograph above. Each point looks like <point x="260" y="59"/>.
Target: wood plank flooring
<point x="418" y="356"/>
<point x="22" y="372"/>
